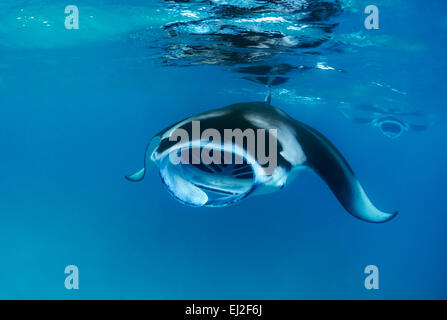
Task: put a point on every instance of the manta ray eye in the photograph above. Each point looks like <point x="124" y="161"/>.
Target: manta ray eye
<point x="203" y="183"/>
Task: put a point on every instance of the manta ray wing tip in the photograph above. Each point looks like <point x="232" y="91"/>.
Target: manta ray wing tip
<point x="386" y="217"/>
<point x="392" y="216"/>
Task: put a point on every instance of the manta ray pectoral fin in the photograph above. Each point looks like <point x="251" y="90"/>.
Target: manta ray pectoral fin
<point x="362" y="208"/>
<point x="330" y="165"/>
<point x="137" y="176"/>
<point x="359" y="119"/>
<point x="418" y="127"/>
<point x="362" y="120"/>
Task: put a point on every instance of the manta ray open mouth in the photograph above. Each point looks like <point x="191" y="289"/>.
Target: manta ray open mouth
<point x="199" y="183"/>
<point x="391" y="128"/>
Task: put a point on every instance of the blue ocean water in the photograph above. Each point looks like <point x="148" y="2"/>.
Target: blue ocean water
<point x="77" y="108"/>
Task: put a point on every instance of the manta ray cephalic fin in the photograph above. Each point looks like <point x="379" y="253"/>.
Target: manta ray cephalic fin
<point x="139" y="175"/>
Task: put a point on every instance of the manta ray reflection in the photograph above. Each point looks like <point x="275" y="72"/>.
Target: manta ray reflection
<point x="219" y="183"/>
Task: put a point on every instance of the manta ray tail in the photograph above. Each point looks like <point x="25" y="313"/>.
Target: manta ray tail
<point x="330" y="165"/>
<point x="139" y="175"/>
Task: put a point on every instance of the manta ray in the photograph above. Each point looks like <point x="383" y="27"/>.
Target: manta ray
<point x="298" y="147"/>
<point x="390" y="121"/>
